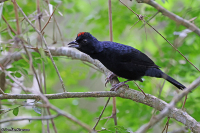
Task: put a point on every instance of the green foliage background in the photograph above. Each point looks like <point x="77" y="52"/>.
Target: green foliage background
<point x="92" y="16"/>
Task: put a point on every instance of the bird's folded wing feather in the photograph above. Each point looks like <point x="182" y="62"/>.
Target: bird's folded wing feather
<point x="134" y="56"/>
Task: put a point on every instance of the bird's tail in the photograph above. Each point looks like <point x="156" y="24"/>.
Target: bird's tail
<point x="175" y="83"/>
<point x="155" y="72"/>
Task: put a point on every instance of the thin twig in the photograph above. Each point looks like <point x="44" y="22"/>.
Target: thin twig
<point x="17" y="82"/>
<point x="114" y="110"/>
<point x="150" y="19"/>
<point x="39" y="15"/>
<point x="166" y="125"/>
<point x="44" y="76"/>
<point x="61" y="36"/>
<point x="140" y="88"/>
<point x="54" y="33"/>
<point x="11" y="29"/>
<point x="129" y="8"/>
<point x="72" y="118"/>
<point x="101" y="114"/>
<point x="173" y="46"/>
<point x="49" y="19"/>
<point x="52" y="121"/>
<point x="16" y="16"/>
<point x="37" y="79"/>
<point x="184" y="102"/>
<point x="110" y="19"/>
<point x="134" y="24"/>
<point x="31" y="118"/>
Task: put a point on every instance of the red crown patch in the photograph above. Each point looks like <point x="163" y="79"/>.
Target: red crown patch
<point x="81" y="33"/>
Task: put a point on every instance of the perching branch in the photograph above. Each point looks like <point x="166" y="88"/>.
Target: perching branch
<point x="134" y="95"/>
<point x="131" y="94"/>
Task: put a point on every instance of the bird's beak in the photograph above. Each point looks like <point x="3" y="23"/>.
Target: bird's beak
<point x="73" y="44"/>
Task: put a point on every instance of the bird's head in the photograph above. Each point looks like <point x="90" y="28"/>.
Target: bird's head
<point x="86" y="43"/>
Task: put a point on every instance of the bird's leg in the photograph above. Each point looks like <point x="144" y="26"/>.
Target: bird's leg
<point x="117" y="86"/>
<point x="110" y="77"/>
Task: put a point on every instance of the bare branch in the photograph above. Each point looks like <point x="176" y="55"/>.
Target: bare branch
<point x="31" y="118"/>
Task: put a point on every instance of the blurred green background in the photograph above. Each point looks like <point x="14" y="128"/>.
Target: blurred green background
<point x="74" y="16"/>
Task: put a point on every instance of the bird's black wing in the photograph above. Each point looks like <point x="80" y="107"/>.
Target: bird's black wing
<point x="131" y="55"/>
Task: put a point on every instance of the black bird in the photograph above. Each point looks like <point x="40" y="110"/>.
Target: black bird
<point x="124" y="61"/>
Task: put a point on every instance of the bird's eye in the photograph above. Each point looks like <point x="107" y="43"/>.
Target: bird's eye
<point x="85" y="40"/>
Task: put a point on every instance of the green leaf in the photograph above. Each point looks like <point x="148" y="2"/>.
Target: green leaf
<point x="21" y="63"/>
<point x="38" y="61"/>
<point x="18" y="75"/>
<point x="35" y="54"/>
<point x="13" y="74"/>
<point x="16" y="111"/>
<point x="12" y="69"/>
<point x="121" y="129"/>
